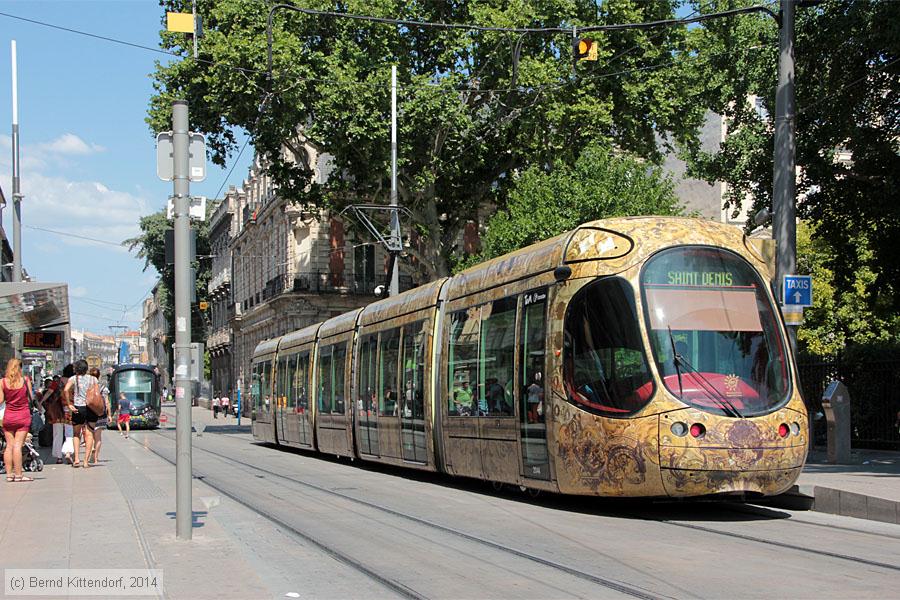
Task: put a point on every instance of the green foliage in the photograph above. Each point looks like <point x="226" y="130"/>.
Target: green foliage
<point x="469" y="114"/>
<point x="852" y="316"/>
<point x="150" y="246"/>
<point x="602" y="183"/>
<point x="848" y="155"/>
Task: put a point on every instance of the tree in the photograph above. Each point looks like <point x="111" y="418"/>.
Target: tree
<point x="475" y="106"/>
<point x="602" y="183"/>
<point x="848" y="126"/>
<point x="150" y="246"/>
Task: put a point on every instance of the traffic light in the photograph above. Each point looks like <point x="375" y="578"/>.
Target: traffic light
<point x="584" y="49"/>
<point x="204" y="305"/>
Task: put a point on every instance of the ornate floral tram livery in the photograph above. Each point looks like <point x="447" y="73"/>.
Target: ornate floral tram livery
<point x="629" y="357"/>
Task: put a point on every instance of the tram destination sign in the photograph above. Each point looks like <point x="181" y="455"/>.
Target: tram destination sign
<point x="797" y="290"/>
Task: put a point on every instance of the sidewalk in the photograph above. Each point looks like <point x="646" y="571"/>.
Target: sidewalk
<point x="121" y="515"/>
<point x="867" y="488"/>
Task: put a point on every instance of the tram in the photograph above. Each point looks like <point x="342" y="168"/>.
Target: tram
<point x="140" y="384"/>
<point x="639" y="356"/>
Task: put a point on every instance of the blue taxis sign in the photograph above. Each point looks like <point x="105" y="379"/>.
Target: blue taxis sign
<point x="797" y="290"/>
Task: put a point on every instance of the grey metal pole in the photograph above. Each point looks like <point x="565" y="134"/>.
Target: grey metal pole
<point x="180" y="139"/>
<point x="16" y="184"/>
<point x="395" y="217"/>
<point x="785" y="184"/>
<point x="194" y="12"/>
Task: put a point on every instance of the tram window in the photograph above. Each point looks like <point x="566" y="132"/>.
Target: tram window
<point x="281" y="376"/>
<point x="463" y="362"/>
<point x="498" y="348"/>
<point x="711" y="307"/>
<point x="265" y="384"/>
<point x="366" y="401"/>
<point x="290" y="382"/>
<point x="338" y="372"/>
<point x="534" y="327"/>
<point x="388" y="357"/>
<point x="254" y="388"/>
<point x="326" y="397"/>
<point x="412" y="400"/>
<point x="301" y="385"/>
<point x="604" y="367"/>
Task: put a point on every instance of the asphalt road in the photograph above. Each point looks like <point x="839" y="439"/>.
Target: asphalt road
<point x="399" y="534"/>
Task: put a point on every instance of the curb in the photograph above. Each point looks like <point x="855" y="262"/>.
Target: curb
<point x="837" y="502"/>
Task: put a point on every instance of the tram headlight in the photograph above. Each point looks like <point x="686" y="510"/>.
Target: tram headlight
<point x="795" y="428"/>
<point x="679" y="429"/>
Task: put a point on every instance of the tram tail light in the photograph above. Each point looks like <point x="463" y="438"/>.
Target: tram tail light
<point x="783" y="430"/>
<point x="697" y="430"/>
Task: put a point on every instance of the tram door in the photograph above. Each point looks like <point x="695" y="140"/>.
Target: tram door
<point x="263" y="404"/>
<point x="366" y="401"/>
<point x="412" y="389"/>
<point x="532" y="387"/>
<point x="282" y="394"/>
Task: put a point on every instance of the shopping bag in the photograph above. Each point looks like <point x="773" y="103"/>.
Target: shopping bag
<point x="68" y="446"/>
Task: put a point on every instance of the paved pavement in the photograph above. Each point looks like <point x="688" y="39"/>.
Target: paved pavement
<point x="120" y="514"/>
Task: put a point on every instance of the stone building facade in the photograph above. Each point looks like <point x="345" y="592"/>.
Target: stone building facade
<point x="222" y="229"/>
<point x="155" y="330"/>
<point x="288" y="268"/>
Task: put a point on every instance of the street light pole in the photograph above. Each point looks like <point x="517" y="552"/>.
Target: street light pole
<point x="183" y="391"/>
<point x="16" y="185"/>
<point x="784" y="196"/>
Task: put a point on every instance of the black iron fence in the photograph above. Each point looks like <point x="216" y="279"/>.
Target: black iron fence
<point x="874" y="387"/>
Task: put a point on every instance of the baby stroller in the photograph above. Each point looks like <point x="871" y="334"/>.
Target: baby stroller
<point x="31" y="459"/>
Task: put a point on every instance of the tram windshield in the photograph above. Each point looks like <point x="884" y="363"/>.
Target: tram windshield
<point x="137" y="386"/>
<point x="713" y="330"/>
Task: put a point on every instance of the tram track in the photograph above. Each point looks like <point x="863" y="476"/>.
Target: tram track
<point x="623" y="588"/>
<point x="671" y="522"/>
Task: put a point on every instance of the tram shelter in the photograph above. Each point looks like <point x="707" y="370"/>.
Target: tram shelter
<point x="31" y="306"/>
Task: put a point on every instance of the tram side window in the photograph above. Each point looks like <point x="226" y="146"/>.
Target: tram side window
<point x="388" y="357"/>
<point x="534" y="327"/>
<point x="604" y="367"/>
<point x="281" y="376"/>
<point x="301" y="383"/>
<point x="338" y="372"/>
<point x="463" y="362"/>
<point x="366" y="402"/>
<point x="265" y="384"/>
<point x="498" y="349"/>
<point x="413" y="405"/>
<point x="325" y="394"/>
<point x="254" y="387"/>
<point x="290" y="383"/>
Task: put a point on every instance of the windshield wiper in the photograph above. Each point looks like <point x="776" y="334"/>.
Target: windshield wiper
<point x="724" y="403"/>
<point x="676" y="361"/>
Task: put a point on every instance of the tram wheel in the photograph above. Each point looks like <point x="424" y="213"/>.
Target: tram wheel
<point x="531" y="492"/>
<point x="497" y="486"/>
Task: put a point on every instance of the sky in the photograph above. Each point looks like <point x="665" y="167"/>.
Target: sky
<point x="88" y="159"/>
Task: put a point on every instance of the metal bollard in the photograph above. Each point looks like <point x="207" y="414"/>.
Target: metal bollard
<point x="836" y="403"/>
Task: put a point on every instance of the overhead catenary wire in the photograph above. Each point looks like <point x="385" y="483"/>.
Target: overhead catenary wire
<point x="74" y="235"/>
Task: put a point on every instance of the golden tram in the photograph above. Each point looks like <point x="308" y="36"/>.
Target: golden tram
<point x="636" y="356"/>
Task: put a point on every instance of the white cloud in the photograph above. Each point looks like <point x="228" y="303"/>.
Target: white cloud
<point x="69" y="143"/>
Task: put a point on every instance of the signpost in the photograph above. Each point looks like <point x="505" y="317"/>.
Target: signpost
<point x="796" y="293"/>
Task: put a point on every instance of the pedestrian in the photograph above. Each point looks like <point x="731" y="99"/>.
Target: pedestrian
<point x="84" y="419"/>
<point x="14" y="393"/>
<point x="124" y="414"/>
<point x="53" y="411"/>
<point x="225" y="402"/>
<point x="215" y="406"/>
<point x="103" y="421"/>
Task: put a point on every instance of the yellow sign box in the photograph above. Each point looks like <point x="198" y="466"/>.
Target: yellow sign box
<point x="181" y="22"/>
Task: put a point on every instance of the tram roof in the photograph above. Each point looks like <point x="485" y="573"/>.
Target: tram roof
<point x="409" y="301"/>
<point x="299" y="337"/>
<point x="133" y="367"/>
<point x="339" y="324"/>
<point x="266" y="347"/>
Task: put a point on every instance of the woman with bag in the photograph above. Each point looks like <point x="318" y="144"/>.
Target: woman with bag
<point x="15" y="391"/>
<point x="102" y="422"/>
<point x="53" y="410"/>
<point x="83" y="394"/>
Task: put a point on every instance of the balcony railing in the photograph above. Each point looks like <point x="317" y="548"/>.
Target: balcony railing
<point x="319" y="282"/>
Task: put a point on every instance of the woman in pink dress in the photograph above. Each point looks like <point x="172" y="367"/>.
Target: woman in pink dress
<point x="14" y="392"/>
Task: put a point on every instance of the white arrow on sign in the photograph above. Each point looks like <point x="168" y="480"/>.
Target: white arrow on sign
<point x="797" y="297"/>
